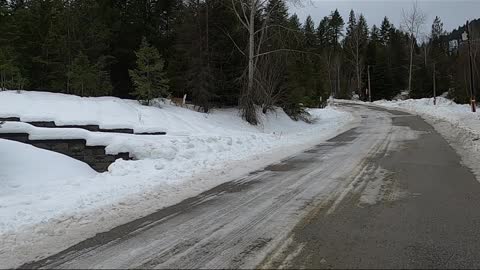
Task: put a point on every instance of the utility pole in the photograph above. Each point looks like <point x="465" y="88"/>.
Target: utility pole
<point x="434" y="87"/>
<point x="338" y="80"/>
<point x="467" y="37"/>
<point x="369" y="87"/>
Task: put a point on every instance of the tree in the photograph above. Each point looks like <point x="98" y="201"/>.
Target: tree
<point x="191" y="69"/>
<point x="336" y="27"/>
<point x="82" y="75"/>
<point x="254" y="16"/>
<point x="272" y="68"/>
<point x="324" y="33"/>
<point x="385" y="31"/>
<point x="309" y="32"/>
<point x="412" y="21"/>
<point x="355" y="44"/>
<point x="149" y="78"/>
<point x="87" y="79"/>
<point x="437" y="28"/>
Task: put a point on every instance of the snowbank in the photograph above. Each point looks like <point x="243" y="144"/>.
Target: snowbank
<point x="34" y="180"/>
<point x="199" y="152"/>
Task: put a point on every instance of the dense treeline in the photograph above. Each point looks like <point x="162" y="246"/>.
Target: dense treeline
<point x="220" y="53"/>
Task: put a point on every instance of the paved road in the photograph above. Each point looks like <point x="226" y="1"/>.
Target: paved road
<point x="388" y="193"/>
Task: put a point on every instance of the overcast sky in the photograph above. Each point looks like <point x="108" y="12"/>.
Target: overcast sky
<point x="452" y="12"/>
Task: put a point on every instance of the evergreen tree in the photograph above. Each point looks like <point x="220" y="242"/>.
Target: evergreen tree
<point x="437" y="29"/>
<point x="10" y="74"/>
<point x="149" y="77"/>
<point x="375" y="35"/>
<point x="324" y="33"/>
<point x="278" y="12"/>
<point x="351" y="26"/>
<point x="354" y="47"/>
<point x="385" y="31"/>
<point x="309" y="32"/>
<point x="363" y="27"/>
<point x="336" y="25"/>
<point x="88" y="79"/>
<point x="82" y="76"/>
<point x="294" y="22"/>
<point x="87" y="47"/>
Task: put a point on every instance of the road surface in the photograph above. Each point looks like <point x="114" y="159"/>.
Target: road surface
<point x="390" y="192"/>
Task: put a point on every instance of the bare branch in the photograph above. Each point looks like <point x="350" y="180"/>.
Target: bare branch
<point x="234" y="43"/>
<point x="244" y="23"/>
<point x="412" y="21"/>
<point x="286" y="50"/>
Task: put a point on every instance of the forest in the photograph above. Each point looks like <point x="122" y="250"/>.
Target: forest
<point x="247" y="53"/>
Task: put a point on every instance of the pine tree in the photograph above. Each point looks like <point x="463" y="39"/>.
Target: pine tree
<point x="385" y="31"/>
<point x="149" y="78"/>
<point x="87" y="79"/>
<point x="309" y="32"/>
<point x="375" y="35"/>
<point x="82" y="76"/>
<point x="324" y="33"/>
<point x="363" y="26"/>
<point x="336" y="25"/>
<point x="354" y="46"/>
<point x="294" y="21"/>
<point x="351" y="26"/>
<point x="278" y="12"/>
<point x="438" y="41"/>
<point x="437" y="28"/>
<point x="10" y="74"/>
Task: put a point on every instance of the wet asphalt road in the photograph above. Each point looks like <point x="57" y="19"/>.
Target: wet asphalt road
<point x="433" y="223"/>
<point x="389" y="193"/>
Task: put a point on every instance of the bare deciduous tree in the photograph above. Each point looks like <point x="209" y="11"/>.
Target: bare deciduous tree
<point x="269" y="78"/>
<point x="247" y="12"/>
<point x="412" y="22"/>
<point x="357" y="42"/>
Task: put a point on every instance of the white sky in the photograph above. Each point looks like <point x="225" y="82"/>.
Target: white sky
<point x="453" y="13"/>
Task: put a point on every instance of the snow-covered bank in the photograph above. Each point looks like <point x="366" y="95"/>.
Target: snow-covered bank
<point x="199" y="152"/>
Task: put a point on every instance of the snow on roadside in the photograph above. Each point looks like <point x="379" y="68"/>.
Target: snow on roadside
<point x="199" y="152"/>
<point x="30" y="176"/>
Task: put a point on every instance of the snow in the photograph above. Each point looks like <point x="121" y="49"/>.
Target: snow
<point x="30" y="176"/>
<point x="63" y="201"/>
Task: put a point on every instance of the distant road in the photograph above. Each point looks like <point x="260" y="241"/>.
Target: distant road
<point x="388" y="193"/>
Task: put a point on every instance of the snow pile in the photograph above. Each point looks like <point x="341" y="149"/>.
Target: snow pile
<point x="60" y="202"/>
<point x="30" y="176"/>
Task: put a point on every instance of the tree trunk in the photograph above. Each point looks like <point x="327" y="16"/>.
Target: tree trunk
<point x="411" y="66"/>
<point x="248" y="104"/>
<point x="251" y="48"/>
<point x="358" y="68"/>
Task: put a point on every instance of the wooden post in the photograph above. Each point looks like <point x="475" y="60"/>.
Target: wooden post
<point x="338" y="80"/>
<point x="472" y="88"/>
<point x="434" y="87"/>
<point x="369" y="87"/>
